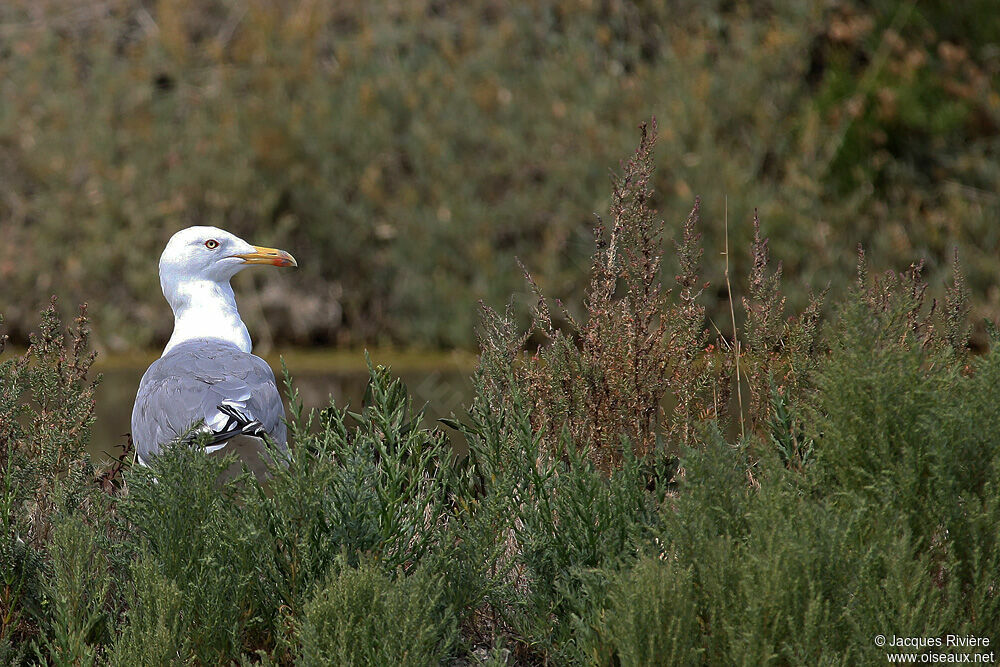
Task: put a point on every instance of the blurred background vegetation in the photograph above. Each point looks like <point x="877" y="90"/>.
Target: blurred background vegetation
<point x="406" y="152"/>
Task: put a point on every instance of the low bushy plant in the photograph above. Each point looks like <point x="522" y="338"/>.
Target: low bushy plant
<point x="591" y="521"/>
<point x="246" y="556"/>
<point x="77" y="592"/>
<point x="363" y="616"/>
<point x="651" y="616"/>
<point x="906" y="427"/>
<point x="152" y="631"/>
<point x="46" y="412"/>
<point x="783" y="537"/>
<point x="196" y="535"/>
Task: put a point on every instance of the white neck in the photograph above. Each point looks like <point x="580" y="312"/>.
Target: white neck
<point x="205" y="309"/>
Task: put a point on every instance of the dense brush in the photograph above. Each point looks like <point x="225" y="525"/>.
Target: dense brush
<point x="607" y="512"/>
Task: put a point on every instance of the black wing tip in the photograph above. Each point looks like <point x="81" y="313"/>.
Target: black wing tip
<point x="240" y="423"/>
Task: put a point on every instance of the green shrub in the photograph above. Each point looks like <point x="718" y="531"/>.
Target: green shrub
<point x="362" y="616"/>
<point x="46" y="412"/>
<point x="860" y="498"/>
<point x="379" y="490"/>
<point x="652" y="617"/>
<point x="77" y="593"/>
<point x="573" y="523"/>
<point x="908" y="430"/>
<point x="537" y="527"/>
<point x="196" y="535"/>
<point x="22" y="569"/>
<point x="152" y="633"/>
<point x="243" y="557"/>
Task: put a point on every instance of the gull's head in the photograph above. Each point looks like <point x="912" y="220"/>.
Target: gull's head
<point x="213" y="254"/>
<point x="195" y="269"/>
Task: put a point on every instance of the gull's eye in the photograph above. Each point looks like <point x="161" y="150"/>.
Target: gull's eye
<point x="211" y="244"/>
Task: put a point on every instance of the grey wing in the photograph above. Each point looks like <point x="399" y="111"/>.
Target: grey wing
<point x="187" y="385"/>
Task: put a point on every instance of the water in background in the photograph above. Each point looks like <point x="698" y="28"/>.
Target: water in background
<point x="444" y="391"/>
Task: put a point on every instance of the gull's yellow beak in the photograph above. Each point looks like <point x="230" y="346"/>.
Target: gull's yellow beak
<point x="270" y="256"/>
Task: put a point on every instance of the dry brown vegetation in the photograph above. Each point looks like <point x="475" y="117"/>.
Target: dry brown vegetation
<point x="406" y="152"/>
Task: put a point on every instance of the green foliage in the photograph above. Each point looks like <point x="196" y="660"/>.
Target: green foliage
<point x="917" y="456"/>
<point x="240" y="560"/>
<point x="796" y="545"/>
<point x="77" y="593"/>
<point x="197" y="537"/>
<point x="909" y="430"/>
<point x="861" y="498"/>
<point x="652" y="616"/>
<point x="788" y="436"/>
<point x="152" y="633"/>
<point x="46" y="411"/>
<point x="377" y="491"/>
<point x="577" y="519"/>
<point x="20" y="594"/>
<point x="365" y="617"/>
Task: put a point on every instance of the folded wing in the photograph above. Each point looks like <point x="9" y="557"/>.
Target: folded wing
<point x="188" y="385"/>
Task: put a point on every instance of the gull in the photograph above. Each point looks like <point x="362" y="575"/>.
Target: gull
<point x="207" y="379"/>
